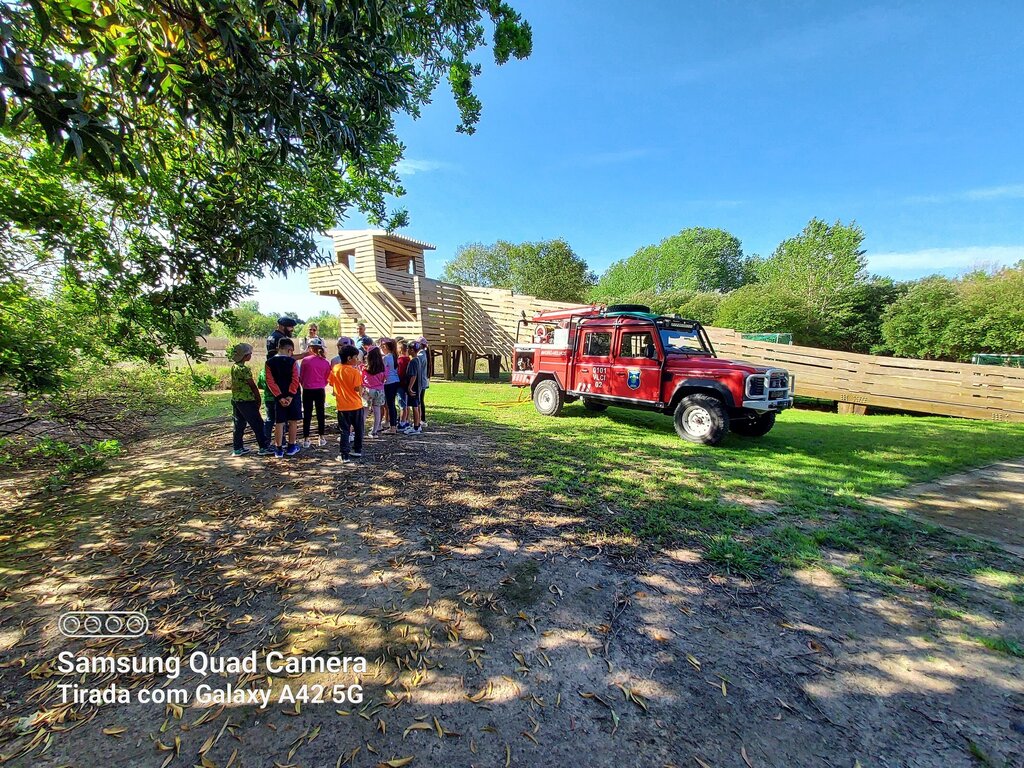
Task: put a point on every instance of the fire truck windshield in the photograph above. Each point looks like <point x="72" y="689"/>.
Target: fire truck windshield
<point x="683" y="341"/>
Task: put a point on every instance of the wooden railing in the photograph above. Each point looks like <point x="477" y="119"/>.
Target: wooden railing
<point x="338" y="279"/>
<point x="924" y="386"/>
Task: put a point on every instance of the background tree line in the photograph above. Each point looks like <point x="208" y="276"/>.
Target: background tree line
<point x="246" y="320"/>
<point x="815" y="286"/>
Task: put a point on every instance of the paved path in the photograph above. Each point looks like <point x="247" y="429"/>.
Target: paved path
<point x="987" y="502"/>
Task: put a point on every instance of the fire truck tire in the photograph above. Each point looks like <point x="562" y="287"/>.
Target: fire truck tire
<point x="701" y="419"/>
<point x="756" y="426"/>
<point x="548" y="398"/>
<point x="594" y="405"/>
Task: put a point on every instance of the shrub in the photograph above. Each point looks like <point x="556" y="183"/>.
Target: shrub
<point x="64" y="461"/>
<point x="758" y="308"/>
<point x="702" y="307"/>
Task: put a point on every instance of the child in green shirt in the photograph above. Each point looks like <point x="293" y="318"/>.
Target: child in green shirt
<point x="245" y="403"/>
<point x="270" y="402"/>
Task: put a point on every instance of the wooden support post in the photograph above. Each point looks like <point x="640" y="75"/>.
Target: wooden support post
<point x="446" y="361"/>
<point x="494" y="364"/>
<point x="471" y="359"/>
<point x="456" y="355"/>
<point x="855" y="409"/>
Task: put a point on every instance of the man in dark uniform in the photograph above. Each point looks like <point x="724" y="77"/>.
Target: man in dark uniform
<point x="285" y="327"/>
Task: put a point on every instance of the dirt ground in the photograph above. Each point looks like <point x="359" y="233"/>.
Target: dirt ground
<point x="987" y="502"/>
<point x="496" y="634"/>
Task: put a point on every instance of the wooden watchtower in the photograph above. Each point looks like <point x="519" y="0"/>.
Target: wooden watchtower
<point x="379" y="278"/>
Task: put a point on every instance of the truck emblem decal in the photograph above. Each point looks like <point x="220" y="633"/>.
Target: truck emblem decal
<point x="633" y="378"/>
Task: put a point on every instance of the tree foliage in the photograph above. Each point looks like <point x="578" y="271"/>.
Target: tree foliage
<point x="695" y="259"/>
<point x="953" y="319"/>
<point x="548" y="269"/>
<point x="763" y="308"/>
<point x="156" y="157"/>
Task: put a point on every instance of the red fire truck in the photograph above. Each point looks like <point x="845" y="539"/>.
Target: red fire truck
<point x="627" y="356"/>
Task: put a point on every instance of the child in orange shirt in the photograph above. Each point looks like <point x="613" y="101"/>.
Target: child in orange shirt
<point x="347" y="382"/>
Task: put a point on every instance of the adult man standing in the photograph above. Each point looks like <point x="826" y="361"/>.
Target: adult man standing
<point x="284" y="330"/>
<point x="361" y="335"/>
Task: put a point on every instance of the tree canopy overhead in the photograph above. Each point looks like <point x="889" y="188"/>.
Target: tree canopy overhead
<point x="101" y="78"/>
<point x="156" y="156"/>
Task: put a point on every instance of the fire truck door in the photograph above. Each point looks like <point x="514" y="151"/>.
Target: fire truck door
<point x="593" y="364"/>
<point x="636" y="366"/>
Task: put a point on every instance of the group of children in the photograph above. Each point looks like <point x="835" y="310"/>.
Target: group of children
<point x="387" y="379"/>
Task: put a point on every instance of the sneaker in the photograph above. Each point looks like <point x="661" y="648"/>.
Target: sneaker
<point x="356" y="454"/>
<point x="279" y="451"/>
<point x="268" y="451"/>
<point x="292" y="449"/>
<point x="323" y="441"/>
<point x="403" y="425"/>
<point x="412" y="431"/>
<point x="342" y="459"/>
<point x="423" y="425"/>
<point x="306" y="443"/>
<point x="242" y="451"/>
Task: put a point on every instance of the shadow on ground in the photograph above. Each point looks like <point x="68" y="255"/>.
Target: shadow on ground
<point x="496" y="632"/>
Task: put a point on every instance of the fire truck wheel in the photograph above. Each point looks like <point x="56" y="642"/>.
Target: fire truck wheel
<point x="756" y="426"/>
<point x="548" y="398"/>
<point x="594" y="405"/>
<point x="702" y="419"/>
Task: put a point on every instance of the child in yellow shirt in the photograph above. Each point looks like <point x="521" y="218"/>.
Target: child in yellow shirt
<point x="346" y="380"/>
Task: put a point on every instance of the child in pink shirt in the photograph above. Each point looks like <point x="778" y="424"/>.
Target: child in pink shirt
<point x="313" y="372"/>
<point x="374" y="376"/>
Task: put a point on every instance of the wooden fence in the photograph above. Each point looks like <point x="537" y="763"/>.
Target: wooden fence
<point x="924" y="386"/>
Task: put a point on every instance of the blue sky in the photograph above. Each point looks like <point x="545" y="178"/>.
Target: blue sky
<point x="631" y="121"/>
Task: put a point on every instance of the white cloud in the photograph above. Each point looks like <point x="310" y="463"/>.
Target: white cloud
<point x="1004" y="192"/>
<point x="410" y="167"/>
<point x="1007" y="192"/>
<point x="930" y="260"/>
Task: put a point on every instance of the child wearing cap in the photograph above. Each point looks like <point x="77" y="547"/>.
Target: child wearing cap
<point x="343" y="341"/>
<point x="347" y="382"/>
<point x="283" y="381"/>
<point x="245" y="403"/>
<point x="313" y="373"/>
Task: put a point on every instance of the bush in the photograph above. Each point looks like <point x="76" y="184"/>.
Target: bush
<point x="209" y="377"/>
<point x="919" y="323"/>
<point x="702" y="307"/>
<point x="758" y="308"/>
<point x="943" y="319"/>
<point x="64" y="460"/>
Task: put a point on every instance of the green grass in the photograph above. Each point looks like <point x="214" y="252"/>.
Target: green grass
<point x="1002" y="645"/>
<point x="779" y="499"/>
<point x="212" y="405"/>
